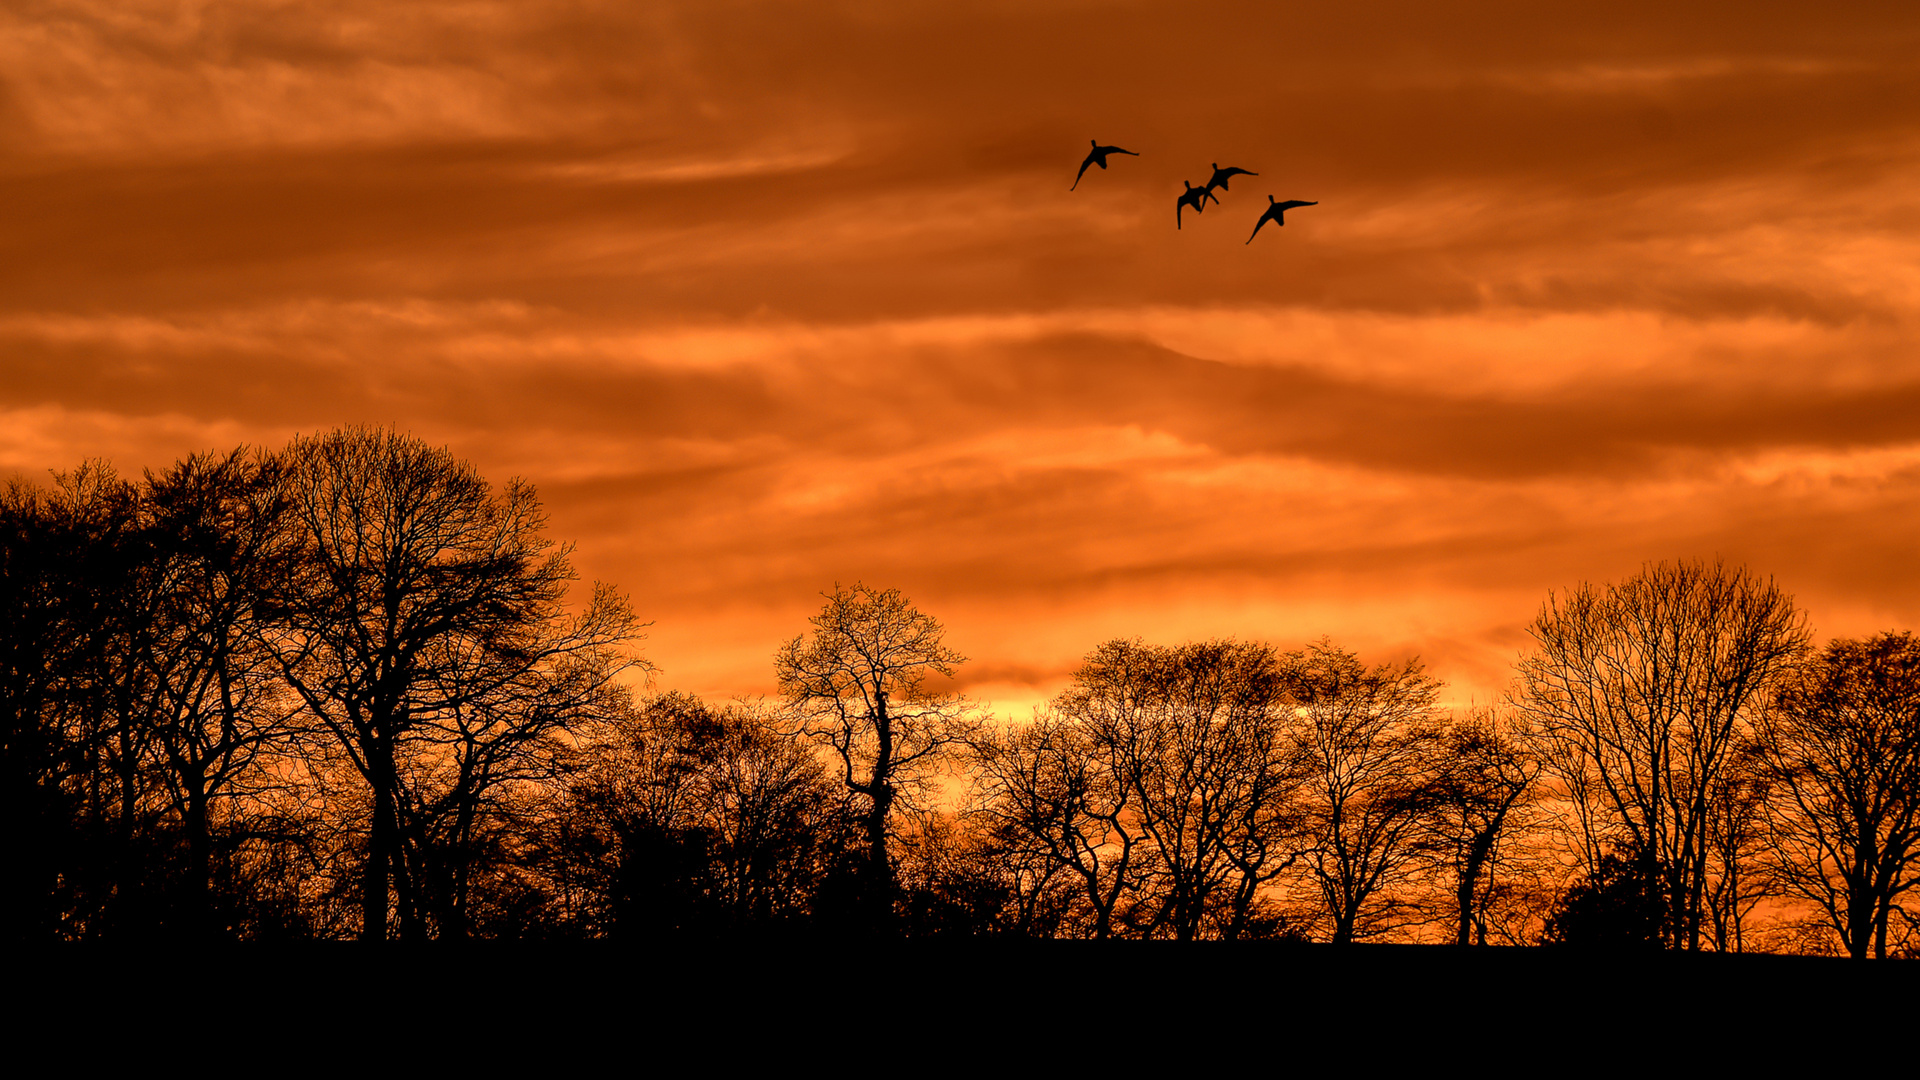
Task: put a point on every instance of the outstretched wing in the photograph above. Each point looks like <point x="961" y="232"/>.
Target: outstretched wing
<point x="1083" y="170"/>
<point x="1221" y="176"/>
<point x="1291" y="203"/>
<point x="1264" y="218"/>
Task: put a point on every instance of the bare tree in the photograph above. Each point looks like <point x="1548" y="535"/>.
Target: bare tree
<point x="47" y="770"/>
<point x="1735" y="828"/>
<point x="1640" y="694"/>
<point x="1367" y="743"/>
<point x="1479" y="802"/>
<point x="1231" y="726"/>
<point x="965" y="875"/>
<point x="858" y="686"/>
<point x="424" y="625"/>
<point x="1841" y="750"/>
<point x="772" y="810"/>
<point x="1162" y="780"/>
<point x="213" y="696"/>
<point x="500" y="737"/>
<point x="102" y="707"/>
<point x="687" y="817"/>
<point x="151" y="681"/>
<point x="1061" y="794"/>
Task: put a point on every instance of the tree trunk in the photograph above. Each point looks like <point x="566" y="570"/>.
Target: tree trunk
<point x="199" y="862"/>
<point x="380" y="845"/>
<point x="1463" y="896"/>
<point x="880" y="869"/>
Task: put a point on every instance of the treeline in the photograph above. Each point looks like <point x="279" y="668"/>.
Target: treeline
<point x="341" y="691"/>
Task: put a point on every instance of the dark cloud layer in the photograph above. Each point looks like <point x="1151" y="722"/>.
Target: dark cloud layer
<point x="915" y="398"/>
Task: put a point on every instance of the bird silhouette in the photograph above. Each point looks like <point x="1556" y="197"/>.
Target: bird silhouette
<point x="1097" y="157"/>
<point x="1221" y="176"/>
<point x="1195" y="197"/>
<point x="1276" y="213"/>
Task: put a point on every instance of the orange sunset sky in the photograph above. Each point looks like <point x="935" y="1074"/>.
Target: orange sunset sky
<point x="763" y="296"/>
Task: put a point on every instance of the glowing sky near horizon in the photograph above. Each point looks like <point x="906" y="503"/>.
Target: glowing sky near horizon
<point x="767" y="296"/>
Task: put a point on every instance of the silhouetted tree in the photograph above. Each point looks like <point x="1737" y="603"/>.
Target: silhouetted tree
<point x="139" y="619"/>
<point x="960" y="877"/>
<point x="689" y="819"/>
<point x="424" y="625"/>
<point x="1841" y="750"/>
<point x="1058" y="794"/>
<point x="1161" y="781"/>
<point x="1368" y="742"/>
<point x="1735" y="826"/>
<point x="1618" y="906"/>
<point x="1478" y="798"/>
<point x="43" y="629"/>
<point x="114" y="861"/>
<point x="1212" y="770"/>
<point x="857" y="685"/>
<point x="1640" y="694"/>
<point x="212" y="696"/>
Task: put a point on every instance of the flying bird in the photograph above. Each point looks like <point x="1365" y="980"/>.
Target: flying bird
<point x="1195" y="197"/>
<point x="1276" y="213"/>
<point x="1221" y="176"/>
<point x="1097" y="157"/>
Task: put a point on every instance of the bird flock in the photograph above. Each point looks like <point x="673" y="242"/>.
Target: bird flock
<point x="1197" y="197"/>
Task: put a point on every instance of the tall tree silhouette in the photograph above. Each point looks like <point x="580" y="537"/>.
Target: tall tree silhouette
<point x="96" y="560"/>
<point x="1197" y="726"/>
<point x="1640" y="694"/>
<point x="1060" y="793"/>
<point x="857" y="685"/>
<point x="46" y="621"/>
<point x="1368" y="740"/>
<point x="150" y="692"/>
<point x="1841" y="750"/>
<point x="215" y="702"/>
<point x="1479" y="803"/>
<point x="1162" y="780"/>
<point x="424" y="626"/>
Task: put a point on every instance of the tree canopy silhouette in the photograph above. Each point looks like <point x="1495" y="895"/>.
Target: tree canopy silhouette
<point x="1641" y="694"/>
<point x="1368" y="742"/>
<point x="1841" y="748"/>
<point x="340" y="690"/>
<point x="857" y="685"/>
<point x="425" y="627"/>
